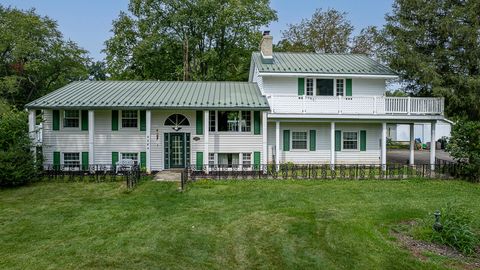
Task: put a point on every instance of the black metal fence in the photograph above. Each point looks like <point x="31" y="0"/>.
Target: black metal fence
<point x="94" y="173"/>
<point x="321" y="172"/>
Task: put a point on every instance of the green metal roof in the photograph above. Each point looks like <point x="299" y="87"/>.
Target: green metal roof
<point x="153" y="95"/>
<point x="285" y="62"/>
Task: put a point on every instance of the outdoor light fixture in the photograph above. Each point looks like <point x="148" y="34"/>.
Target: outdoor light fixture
<point x="437" y="226"/>
<point x="176" y="128"/>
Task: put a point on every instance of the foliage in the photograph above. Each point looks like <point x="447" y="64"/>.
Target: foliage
<point x="97" y="71"/>
<point x="396" y="93"/>
<point x="16" y="162"/>
<point x="191" y="40"/>
<point x="457" y="229"/>
<point x="369" y="42"/>
<point x="34" y="58"/>
<point x="434" y="45"/>
<point x="464" y="147"/>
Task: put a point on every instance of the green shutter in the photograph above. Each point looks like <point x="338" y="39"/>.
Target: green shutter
<point x="84" y="120"/>
<point x="256" y="160"/>
<point x="301" y="86"/>
<point x="199" y="122"/>
<point x="338" y="140"/>
<point x="114" y="158"/>
<point x="143" y="120"/>
<point x="363" y="140"/>
<point x="313" y="140"/>
<point x="56" y="160"/>
<point x="286" y="140"/>
<point x="143" y="160"/>
<point x="56" y="120"/>
<point x="199" y="161"/>
<point x="114" y="120"/>
<point x="256" y="123"/>
<point x="85" y="160"/>
<point x="348" y="87"/>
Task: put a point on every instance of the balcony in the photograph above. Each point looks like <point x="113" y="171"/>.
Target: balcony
<point x="362" y="105"/>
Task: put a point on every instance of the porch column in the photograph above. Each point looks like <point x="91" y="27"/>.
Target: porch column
<point x="384" y="146"/>
<point x="148" y="129"/>
<point x="91" y="137"/>
<point x="277" y="143"/>
<point x="31" y="131"/>
<point x="264" y="138"/>
<point x="432" y="145"/>
<point x="206" y="129"/>
<point x="412" y="144"/>
<point x="332" y="144"/>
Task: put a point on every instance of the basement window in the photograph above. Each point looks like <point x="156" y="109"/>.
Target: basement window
<point x="228" y="160"/>
<point x="71" y="119"/>
<point x="131" y="156"/>
<point x="71" y="160"/>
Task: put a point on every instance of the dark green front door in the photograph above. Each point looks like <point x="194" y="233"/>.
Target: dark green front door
<point x="177" y="150"/>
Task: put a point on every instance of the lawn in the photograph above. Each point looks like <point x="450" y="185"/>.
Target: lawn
<point x="220" y="225"/>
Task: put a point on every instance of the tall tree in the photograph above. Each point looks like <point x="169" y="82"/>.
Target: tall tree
<point x="325" y="32"/>
<point x="435" y="46"/>
<point x="185" y="39"/>
<point x="370" y="42"/>
<point x="34" y="57"/>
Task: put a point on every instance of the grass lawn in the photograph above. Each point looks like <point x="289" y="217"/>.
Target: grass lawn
<point x="221" y="225"/>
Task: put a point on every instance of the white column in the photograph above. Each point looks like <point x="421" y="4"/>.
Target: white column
<point x="432" y="145"/>
<point x="277" y="142"/>
<point x="148" y="131"/>
<point x="206" y="122"/>
<point x="31" y="131"/>
<point x="384" y="146"/>
<point x="412" y="144"/>
<point x="332" y="144"/>
<point x="264" y="138"/>
<point x="91" y="137"/>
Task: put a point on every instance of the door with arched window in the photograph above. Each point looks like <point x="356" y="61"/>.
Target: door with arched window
<point x="177" y="143"/>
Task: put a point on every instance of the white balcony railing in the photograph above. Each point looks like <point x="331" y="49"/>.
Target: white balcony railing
<point x="355" y="105"/>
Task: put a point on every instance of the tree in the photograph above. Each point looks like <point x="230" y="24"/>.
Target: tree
<point x="435" y="47"/>
<point x="34" y="58"/>
<point x="464" y="146"/>
<point x="97" y="71"/>
<point x="369" y="42"/>
<point x="192" y="40"/>
<point x="325" y="32"/>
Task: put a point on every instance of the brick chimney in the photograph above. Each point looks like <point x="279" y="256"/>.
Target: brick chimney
<point x="266" y="48"/>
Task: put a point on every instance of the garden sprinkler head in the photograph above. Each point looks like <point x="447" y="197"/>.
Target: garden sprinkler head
<point x="437" y="226"/>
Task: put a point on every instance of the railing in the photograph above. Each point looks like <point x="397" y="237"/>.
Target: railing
<point x="355" y="105"/>
<point x="93" y="173"/>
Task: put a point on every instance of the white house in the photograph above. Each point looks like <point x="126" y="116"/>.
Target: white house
<point x="296" y="107"/>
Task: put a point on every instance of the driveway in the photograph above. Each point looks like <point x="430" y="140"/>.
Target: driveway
<point x="421" y="156"/>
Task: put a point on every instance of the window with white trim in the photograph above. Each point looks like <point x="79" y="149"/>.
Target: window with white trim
<point x="211" y="159"/>
<point x="350" y="140"/>
<point x="129" y="119"/>
<point x="309" y="87"/>
<point x="246" y="160"/>
<point x="212" y="115"/>
<point x="132" y="156"/>
<point x="230" y="121"/>
<point x="71" y="118"/>
<point x="246" y="121"/>
<point x="228" y="159"/>
<point x="299" y="140"/>
<point x="71" y="160"/>
<point x="340" y="87"/>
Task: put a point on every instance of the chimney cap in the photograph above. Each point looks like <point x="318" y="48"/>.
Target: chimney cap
<point x="266" y="32"/>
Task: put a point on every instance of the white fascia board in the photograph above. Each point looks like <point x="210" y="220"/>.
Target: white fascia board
<point x="356" y="118"/>
<point x="326" y="75"/>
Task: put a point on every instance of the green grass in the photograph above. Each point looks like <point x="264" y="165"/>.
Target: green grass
<point x="220" y="225"/>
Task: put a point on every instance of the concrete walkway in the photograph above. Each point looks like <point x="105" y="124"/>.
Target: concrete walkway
<point x="421" y="156"/>
<point x="168" y="175"/>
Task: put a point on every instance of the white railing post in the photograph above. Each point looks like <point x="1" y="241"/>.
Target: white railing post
<point x="339" y="106"/>
<point x="409" y="101"/>
<point x="374" y="105"/>
<point x="303" y="104"/>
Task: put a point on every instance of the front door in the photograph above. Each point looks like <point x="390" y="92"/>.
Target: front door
<point x="177" y="150"/>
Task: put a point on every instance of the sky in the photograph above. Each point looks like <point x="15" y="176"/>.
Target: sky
<point x="88" y="22"/>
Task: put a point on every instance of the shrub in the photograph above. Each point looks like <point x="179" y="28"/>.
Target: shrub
<point x="464" y="147"/>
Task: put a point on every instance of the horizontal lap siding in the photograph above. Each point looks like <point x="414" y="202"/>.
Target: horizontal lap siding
<point x="234" y="143"/>
<point x="368" y="87"/>
<point x="108" y="141"/>
<point x="63" y="140"/>
<point x="280" y="85"/>
<point x="372" y="155"/>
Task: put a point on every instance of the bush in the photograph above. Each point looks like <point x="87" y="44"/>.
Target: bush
<point x="17" y="164"/>
<point x="464" y="147"/>
<point x="458" y="229"/>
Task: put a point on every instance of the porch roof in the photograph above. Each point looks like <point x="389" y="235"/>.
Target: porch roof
<point x="154" y="95"/>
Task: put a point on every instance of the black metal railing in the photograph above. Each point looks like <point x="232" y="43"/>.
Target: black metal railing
<point x="94" y="173"/>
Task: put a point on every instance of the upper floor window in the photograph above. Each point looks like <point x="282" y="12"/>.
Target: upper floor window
<point x="324" y="87"/>
<point x="246" y="121"/>
<point x="129" y="119"/>
<point x="71" y="119"/>
<point x="212" y="120"/>
<point x="230" y="121"/>
<point x="350" y="140"/>
<point x="177" y="120"/>
<point x="340" y="87"/>
<point x="309" y="87"/>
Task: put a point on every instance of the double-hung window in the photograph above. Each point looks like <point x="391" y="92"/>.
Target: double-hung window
<point x="129" y="119"/>
<point x="71" y="160"/>
<point x="211" y="160"/>
<point x="246" y="121"/>
<point x="340" y="86"/>
<point x="246" y="160"/>
<point x="71" y="119"/>
<point x="212" y="120"/>
<point x="350" y="140"/>
<point x="299" y="140"/>
<point x="131" y="156"/>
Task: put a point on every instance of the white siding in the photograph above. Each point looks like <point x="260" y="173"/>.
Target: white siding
<point x="368" y="87"/>
<point x="322" y="153"/>
<point x="258" y="79"/>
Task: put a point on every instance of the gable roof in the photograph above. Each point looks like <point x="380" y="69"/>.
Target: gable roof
<point x="153" y="95"/>
<point x="320" y="63"/>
